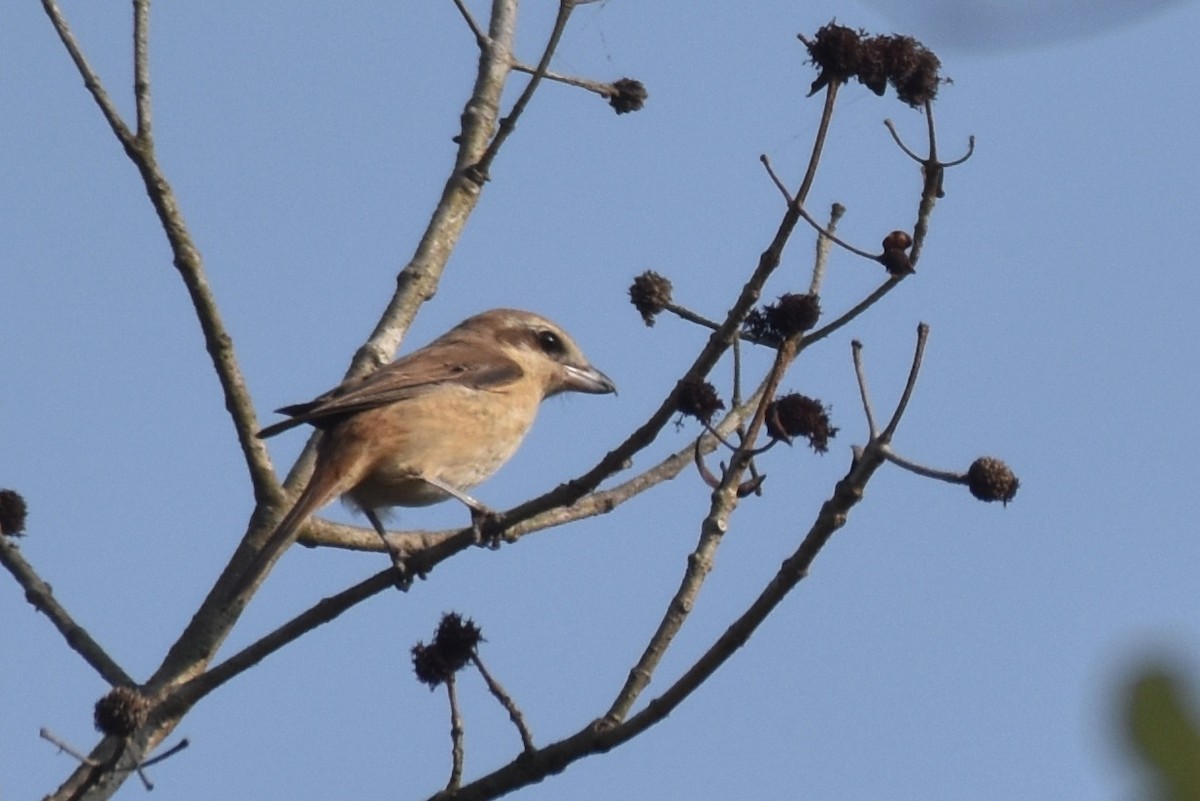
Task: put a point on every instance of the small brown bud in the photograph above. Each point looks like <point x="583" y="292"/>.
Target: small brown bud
<point x="800" y="416"/>
<point x="991" y="480"/>
<point x="650" y="293"/>
<point x="698" y="399"/>
<point x="121" y="712"/>
<point x="895" y="253"/>
<point x="12" y="513"/>
<point x="897" y="239"/>
<point x="627" y="95"/>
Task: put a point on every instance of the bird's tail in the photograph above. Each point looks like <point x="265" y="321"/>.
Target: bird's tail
<point x="322" y="488"/>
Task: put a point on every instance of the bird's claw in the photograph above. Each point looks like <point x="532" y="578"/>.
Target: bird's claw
<point x="488" y="526"/>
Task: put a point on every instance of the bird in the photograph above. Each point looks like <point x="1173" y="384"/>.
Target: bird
<point x="434" y="423"/>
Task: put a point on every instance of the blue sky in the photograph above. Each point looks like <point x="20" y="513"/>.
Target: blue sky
<point x="940" y="649"/>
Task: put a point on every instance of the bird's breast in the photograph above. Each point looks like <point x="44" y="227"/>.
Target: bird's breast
<point x="456" y="435"/>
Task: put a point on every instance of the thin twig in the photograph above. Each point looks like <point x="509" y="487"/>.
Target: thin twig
<point x="970" y="152"/>
<point x="170" y="752"/>
<point x="480" y="37"/>
<point x="783" y="190"/>
<point x="599" y="87"/>
<point x="482" y="168"/>
<point x="828" y="234"/>
<point x="322" y="612"/>
<point x="824" y="245"/>
<point x="90" y="79"/>
<point x="457" y="730"/>
<point x="810" y="174"/>
<point x="506" y="701"/>
<point x="931" y="129"/>
<point x="870" y="300"/>
<point x="891" y="126"/>
<point x="756" y="478"/>
<point x="685" y="313"/>
<point x="62" y="745"/>
<point x="861" y="374"/>
<point x="141" y="68"/>
<point x="948" y="476"/>
<point x="910" y="385"/>
<point x="700" y="561"/>
<point x="41" y="596"/>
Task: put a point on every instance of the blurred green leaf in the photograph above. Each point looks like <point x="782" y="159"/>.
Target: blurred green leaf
<point x="1163" y="732"/>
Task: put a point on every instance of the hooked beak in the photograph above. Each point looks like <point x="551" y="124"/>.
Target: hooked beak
<point x="587" y="379"/>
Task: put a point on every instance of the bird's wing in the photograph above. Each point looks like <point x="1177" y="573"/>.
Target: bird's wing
<point x="468" y="365"/>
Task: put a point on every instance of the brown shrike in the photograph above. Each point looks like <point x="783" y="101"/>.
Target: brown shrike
<point x="433" y="424"/>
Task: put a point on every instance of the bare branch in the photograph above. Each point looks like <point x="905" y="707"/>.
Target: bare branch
<point x="827" y="233"/>
<point x="457" y="730"/>
<point x="325" y="610"/>
<point x="861" y="375"/>
<point x="482" y="168"/>
<point x="506" y="701"/>
<point x="824" y="244"/>
<point x="90" y="79"/>
<point x="909" y="386"/>
<point x="783" y="190"/>
<point x="39" y="594"/>
<point x="480" y="37"/>
<point x="602" y="88"/>
<point x="141" y="68"/>
<point x="870" y="300"/>
<point x="948" y="476"/>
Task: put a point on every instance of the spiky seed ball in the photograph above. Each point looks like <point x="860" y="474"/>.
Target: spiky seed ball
<point x="650" y="293"/>
<point x="121" y="712"/>
<point x="836" y="53"/>
<point x="430" y="665"/>
<point x="758" y="327"/>
<point x="457" y="638"/>
<point x="698" y="399"/>
<point x="628" y="95"/>
<point x="452" y="647"/>
<point x="12" y="513"/>
<point x="794" y="313"/>
<point x="912" y="70"/>
<point x="797" y="415"/>
<point x="990" y="480"/>
<point x="791" y="314"/>
<point x="873" y="66"/>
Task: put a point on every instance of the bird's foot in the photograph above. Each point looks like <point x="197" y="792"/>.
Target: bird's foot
<point x="488" y="526"/>
<point x="404" y="574"/>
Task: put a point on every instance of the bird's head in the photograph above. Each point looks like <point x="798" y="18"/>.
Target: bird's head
<point x="545" y="352"/>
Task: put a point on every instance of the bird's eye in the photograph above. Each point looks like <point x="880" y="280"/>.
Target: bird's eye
<point x="550" y="342"/>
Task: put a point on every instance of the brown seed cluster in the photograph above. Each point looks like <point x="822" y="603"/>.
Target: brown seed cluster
<point x="797" y="415"/>
<point x="990" y="480"/>
<point x="121" y="712"/>
<point x="792" y="314"/>
<point x="698" y="399"/>
<point x="650" y="293"/>
<point x="842" y="53"/>
<point x="453" y="645"/>
<point x="12" y="513"/>
<point x="627" y="95"/>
